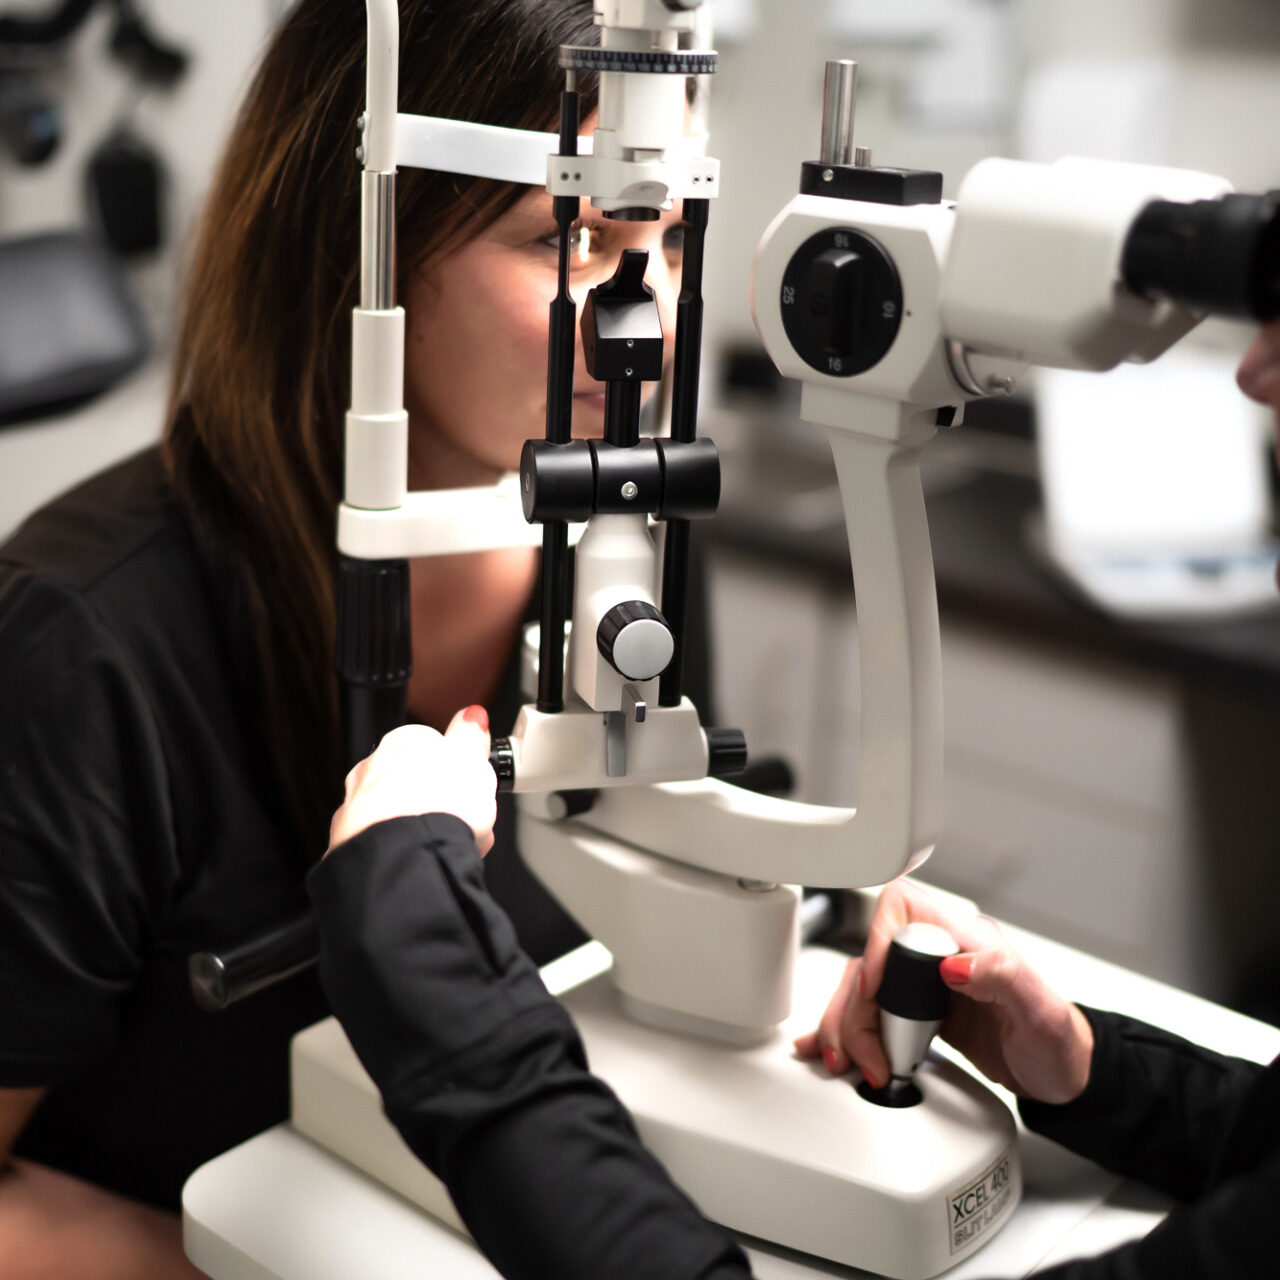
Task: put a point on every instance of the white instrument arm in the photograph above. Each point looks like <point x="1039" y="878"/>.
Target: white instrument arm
<point x="722" y="828"/>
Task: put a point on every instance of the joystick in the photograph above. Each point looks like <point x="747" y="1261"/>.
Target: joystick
<point x="913" y="1004"/>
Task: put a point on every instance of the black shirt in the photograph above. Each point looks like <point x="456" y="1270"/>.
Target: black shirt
<point x="133" y="830"/>
<point x="136" y="828"/>
<point x="486" y="1079"/>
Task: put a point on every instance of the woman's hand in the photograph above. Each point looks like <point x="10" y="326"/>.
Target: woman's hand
<point x="1259" y="372"/>
<point x="417" y="770"/>
<point x="1006" y="1020"/>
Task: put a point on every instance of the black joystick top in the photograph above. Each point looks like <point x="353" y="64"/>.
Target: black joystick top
<point x="913" y="1001"/>
<point x="912" y="986"/>
<point x="635" y="640"/>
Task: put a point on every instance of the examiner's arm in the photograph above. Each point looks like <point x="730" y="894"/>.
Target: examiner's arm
<point x="1156" y="1107"/>
<point x="483" y="1073"/>
<point x="1135" y="1099"/>
<point x="1160" y="1109"/>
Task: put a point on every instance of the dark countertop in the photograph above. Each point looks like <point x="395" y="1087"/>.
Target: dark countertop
<point x="988" y="574"/>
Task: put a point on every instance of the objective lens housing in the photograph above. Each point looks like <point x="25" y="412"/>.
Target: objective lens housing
<point x="1221" y="257"/>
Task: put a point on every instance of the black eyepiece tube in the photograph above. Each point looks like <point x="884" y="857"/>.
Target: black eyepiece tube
<point x="1221" y="257"/>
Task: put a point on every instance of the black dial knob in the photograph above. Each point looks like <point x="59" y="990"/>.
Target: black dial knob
<point x="635" y="640"/>
<point x="841" y="302"/>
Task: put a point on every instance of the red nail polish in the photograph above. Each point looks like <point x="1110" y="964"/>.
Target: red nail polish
<point x="957" y="969"/>
<point x="477" y="715"/>
<point x="830" y="1057"/>
<point x="869" y="1078"/>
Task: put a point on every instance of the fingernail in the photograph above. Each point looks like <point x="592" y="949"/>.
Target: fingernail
<point x="478" y="716"/>
<point x="832" y="1059"/>
<point x="957" y="969"/>
<point x="870" y="1079"/>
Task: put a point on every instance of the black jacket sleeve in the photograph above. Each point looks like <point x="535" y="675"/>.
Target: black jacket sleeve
<point x="1169" y="1113"/>
<point x="1230" y="1234"/>
<point x="1156" y="1108"/>
<point x="484" y="1074"/>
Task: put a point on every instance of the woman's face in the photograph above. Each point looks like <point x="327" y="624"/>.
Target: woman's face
<point x="476" y="343"/>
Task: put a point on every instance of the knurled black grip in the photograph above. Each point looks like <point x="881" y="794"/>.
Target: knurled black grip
<point x="374" y="642"/>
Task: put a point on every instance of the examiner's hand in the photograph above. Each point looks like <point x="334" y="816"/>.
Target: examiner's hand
<point x="1259" y="372"/>
<point x="1005" y="1019"/>
<point x="417" y="770"/>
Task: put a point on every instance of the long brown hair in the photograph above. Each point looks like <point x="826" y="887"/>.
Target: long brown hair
<point x="261" y="385"/>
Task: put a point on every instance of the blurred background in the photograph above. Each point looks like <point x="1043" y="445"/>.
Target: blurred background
<point x="1105" y="552"/>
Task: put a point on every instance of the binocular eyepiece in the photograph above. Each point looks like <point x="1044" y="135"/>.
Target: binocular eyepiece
<point x="1220" y="257"/>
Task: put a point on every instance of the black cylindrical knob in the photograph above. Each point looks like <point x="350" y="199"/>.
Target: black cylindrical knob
<point x="690" y="479"/>
<point x="912" y="986"/>
<point x="634" y="639"/>
<point x="627" y="479"/>
<point x="503" y="762"/>
<point x="726" y="752"/>
<point x="374" y="645"/>
<point x="569" y="804"/>
<point x="557" y="481"/>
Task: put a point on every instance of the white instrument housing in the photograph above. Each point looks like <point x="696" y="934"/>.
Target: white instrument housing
<point x="1033" y="268"/>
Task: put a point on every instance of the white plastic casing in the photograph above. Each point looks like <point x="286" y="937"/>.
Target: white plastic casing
<point x="442" y="522"/>
<point x="377" y="444"/>
<point x="725" y="963"/>
<point x="566" y="751"/>
<point x="614" y="563"/>
<point x="643" y="155"/>
<point x="644" y="112"/>
<point x="1033" y="268"/>
<point x="646" y="15"/>
<point x="916" y="237"/>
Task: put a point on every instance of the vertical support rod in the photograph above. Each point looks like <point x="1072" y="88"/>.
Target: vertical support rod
<point x="622" y="413"/>
<point x="684" y="429"/>
<point x="561" y="344"/>
<point x="839" y="97"/>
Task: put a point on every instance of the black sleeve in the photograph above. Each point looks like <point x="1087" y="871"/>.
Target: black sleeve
<point x="1159" y="1109"/>
<point x="484" y="1074"/>
<point x="1230" y="1234"/>
<point x="86" y="850"/>
<point x="1156" y="1108"/>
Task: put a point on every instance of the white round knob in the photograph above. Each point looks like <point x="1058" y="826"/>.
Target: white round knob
<point x="635" y="640"/>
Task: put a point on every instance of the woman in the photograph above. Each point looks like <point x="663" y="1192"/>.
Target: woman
<point x="485" y="1077"/>
<point x="169" y="749"/>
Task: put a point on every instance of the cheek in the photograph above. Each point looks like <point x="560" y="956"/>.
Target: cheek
<point x="476" y="346"/>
